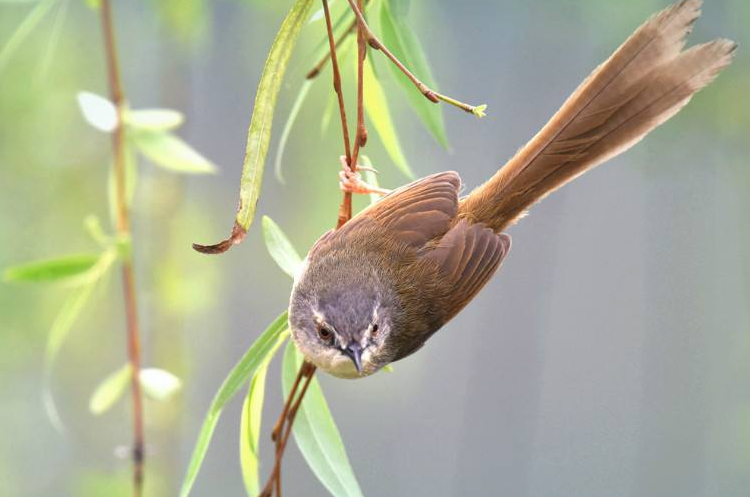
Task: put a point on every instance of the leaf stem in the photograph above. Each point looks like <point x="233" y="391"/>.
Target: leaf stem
<point x="429" y="94"/>
<point x="123" y="231"/>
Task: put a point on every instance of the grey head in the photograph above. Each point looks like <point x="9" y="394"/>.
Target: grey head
<point x="340" y="322"/>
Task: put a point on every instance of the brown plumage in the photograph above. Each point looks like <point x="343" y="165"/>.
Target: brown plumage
<point x="644" y="83"/>
<point x="411" y="261"/>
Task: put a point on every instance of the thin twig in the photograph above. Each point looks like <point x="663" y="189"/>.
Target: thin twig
<point x="361" y="136"/>
<point x="283" y="427"/>
<point x="322" y="62"/>
<point x="123" y="231"/>
<point x="430" y="94"/>
<point x="345" y="209"/>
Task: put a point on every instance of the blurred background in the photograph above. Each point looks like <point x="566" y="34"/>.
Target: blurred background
<point x="610" y="356"/>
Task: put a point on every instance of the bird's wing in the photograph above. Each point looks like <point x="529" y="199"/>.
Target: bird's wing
<point x="414" y="214"/>
<point x="467" y="257"/>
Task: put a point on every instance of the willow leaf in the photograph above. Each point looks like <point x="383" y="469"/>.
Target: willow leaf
<point x="159" y="384"/>
<point x="316" y="434"/>
<point x="153" y="119"/>
<point x="62" y="324"/>
<point x="301" y="97"/>
<point x="398" y="36"/>
<point x="265" y="103"/>
<point x="376" y="107"/>
<point x="30" y="22"/>
<point x="280" y="248"/>
<point x="98" y="111"/>
<point x="109" y="390"/>
<point x="55" y="269"/>
<point x="170" y="152"/>
<point x="250" y="420"/>
<point x="242" y="371"/>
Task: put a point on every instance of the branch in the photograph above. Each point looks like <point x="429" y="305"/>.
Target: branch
<point x="430" y="94"/>
<point x="123" y="231"/>
<point x="322" y="62"/>
<point x="283" y="428"/>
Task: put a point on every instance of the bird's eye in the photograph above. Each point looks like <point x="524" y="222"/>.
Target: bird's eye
<point x="374" y="329"/>
<point x="325" y="333"/>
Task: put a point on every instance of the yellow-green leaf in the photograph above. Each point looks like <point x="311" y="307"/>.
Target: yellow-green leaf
<point x="250" y="420"/>
<point x="301" y="96"/>
<point x="280" y="248"/>
<point x="153" y="119"/>
<point x="56" y="269"/>
<point x="376" y="106"/>
<point x="109" y="390"/>
<point x="242" y="371"/>
<point x="170" y="152"/>
<point x="316" y="434"/>
<point x="30" y="22"/>
<point x="401" y="40"/>
<point x="261" y="121"/>
<point x="98" y="111"/>
<point x="159" y="384"/>
<point x="370" y="178"/>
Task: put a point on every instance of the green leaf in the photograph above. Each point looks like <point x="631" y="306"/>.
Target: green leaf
<point x="62" y="324"/>
<point x="98" y="111"/>
<point x="250" y="420"/>
<point x="109" y="390"/>
<point x="159" y="384"/>
<point x="370" y="178"/>
<point x="261" y="121"/>
<point x="316" y="434"/>
<point x="341" y="19"/>
<point x="320" y="13"/>
<point x="95" y="273"/>
<point x="325" y="118"/>
<point x="301" y="96"/>
<point x="250" y="432"/>
<point x="170" y="152"/>
<point x="400" y="8"/>
<point x="280" y="248"/>
<point x="242" y="371"/>
<point x="153" y="119"/>
<point x="93" y="227"/>
<point x="376" y="106"/>
<point x="30" y="22"/>
<point x="55" y="269"/>
<point x="401" y="40"/>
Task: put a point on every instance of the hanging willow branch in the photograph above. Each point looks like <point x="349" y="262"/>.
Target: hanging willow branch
<point x="123" y="231"/>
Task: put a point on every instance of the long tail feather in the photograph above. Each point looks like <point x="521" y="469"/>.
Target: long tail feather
<point x="644" y="83"/>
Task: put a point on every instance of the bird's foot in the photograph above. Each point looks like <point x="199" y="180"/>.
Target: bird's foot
<point x="352" y="182"/>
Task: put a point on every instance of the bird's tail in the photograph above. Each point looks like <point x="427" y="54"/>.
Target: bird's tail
<point x="645" y="82"/>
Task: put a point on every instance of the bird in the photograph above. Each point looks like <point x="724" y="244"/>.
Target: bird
<point x="375" y="290"/>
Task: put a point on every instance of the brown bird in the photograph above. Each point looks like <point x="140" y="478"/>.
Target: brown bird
<point x="375" y="290"/>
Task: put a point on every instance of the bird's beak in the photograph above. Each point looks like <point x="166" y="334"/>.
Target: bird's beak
<point x="354" y="352"/>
